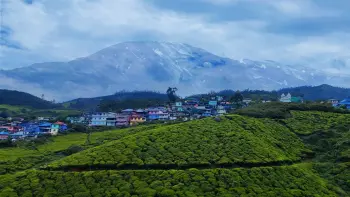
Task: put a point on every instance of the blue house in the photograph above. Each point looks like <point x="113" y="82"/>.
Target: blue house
<point x="345" y="102"/>
<point x="18" y="135"/>
<point x="4" y="135"/>
<point x="45" y="127"/>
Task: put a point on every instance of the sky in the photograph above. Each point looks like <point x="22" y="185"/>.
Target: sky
<point x="309" y="32"/>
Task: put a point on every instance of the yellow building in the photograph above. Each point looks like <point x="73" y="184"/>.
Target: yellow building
<point x="137" y="119"/>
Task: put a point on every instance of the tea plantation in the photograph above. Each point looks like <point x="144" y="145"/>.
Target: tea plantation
<point x="306" y="154"/>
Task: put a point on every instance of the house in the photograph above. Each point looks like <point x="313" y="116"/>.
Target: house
<point x="58" y="127"/>
<point x="18" y="135"/>
<point x="141" y="112"/>
<point x="76" y="120"/>
<point x="201" y="107"/>
<point x="156" y="109"/>
<point x="178" y="104"/>
<point x="192" y="101"/>
<point x="345" y="102"/>
<point x="136" y="119"/>
<point x="172" y="117"/>
<point x="154" y="115"/>
<point x="207" y="113"/>
<point x="158" y="115"/>
<point x="4" y="135"/>
<point x="219" y="98"/>
<point x="43" y="118"/>
<point x="164" y="116"/>
<point x="54" y="129"/>
<point x="213" y="103"/>
<point x="111" y="121"/>
<point x="334" y="102"/>
<point x="10" y="129"/>
<point x="220" y="110"/>
<point x="122" y="119"/>
<point x="127" y="111"/>
<point x="286" y="98"/>
<point x="247" y="101"/>
<point x="100" y="119"/>
<point x="45" y="128"/>
<point x="295" y="99"/>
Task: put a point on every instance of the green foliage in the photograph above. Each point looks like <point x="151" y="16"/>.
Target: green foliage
<point x="308" y="122"/>
<point x="336" y="173"/>
<point x="31" y="113"/>
<point x="327" y="134"/>
<point x="266" y="181"/>
<point x="11" y="97"/>
<point x="73" y="149"/>
<point x="235" y="139"/>
<point x="118" y="105"/>
<point x="135" y="99"/>
<point x="226" y="156"/>
<point x="278" y="110"/>
<point x="171" y="92"/>
<point x="44" y="150"/>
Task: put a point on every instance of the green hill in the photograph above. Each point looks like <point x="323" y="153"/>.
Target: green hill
<point x="118" y="101"/>
<point x="303" y="154"/>
<point x="229" y="140"/>
<point x="11" y="97"/>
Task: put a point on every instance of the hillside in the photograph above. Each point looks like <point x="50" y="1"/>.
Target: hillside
<point x="322" y="92"/>
<point x="140" y="65"/>
<point x="309" y="93"/>
<point x="119" y="100"/>
<point x="304" y="154"/>
<point x="11" y="97"/>
<point x="202" y="142"/>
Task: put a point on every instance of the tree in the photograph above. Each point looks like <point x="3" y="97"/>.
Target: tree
<point x="237" y="99"/>
<point x="171" y="92"/>
<point x="4" y="114"/>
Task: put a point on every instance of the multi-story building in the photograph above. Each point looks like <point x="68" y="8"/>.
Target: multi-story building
<point x="136" y="119"/>
<point x="100" y="119"/>
<point x="122" y="119"/>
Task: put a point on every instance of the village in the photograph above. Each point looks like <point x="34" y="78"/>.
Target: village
<point x="186" y="110"/>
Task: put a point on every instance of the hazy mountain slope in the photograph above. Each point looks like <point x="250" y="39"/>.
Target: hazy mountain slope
<point x="156" y="66"/>
<point x="8" y="97"/>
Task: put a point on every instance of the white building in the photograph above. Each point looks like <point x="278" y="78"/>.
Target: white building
<point x="286" y="98"/>
<point x="102" y="118"/>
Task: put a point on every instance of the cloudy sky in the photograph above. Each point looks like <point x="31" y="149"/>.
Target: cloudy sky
<point x="293" y="31"/>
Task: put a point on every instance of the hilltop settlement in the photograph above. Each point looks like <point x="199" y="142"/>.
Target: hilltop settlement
<point x="180" y="110"/>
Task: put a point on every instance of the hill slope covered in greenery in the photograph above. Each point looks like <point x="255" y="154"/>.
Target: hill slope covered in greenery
<point x="119" y="100"/>
<point x="228" y="140"/>
<point x="303" y="154"/>
<point x="11" y="97"/>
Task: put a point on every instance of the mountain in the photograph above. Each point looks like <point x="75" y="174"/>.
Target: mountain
<point x="10" y="97"/>
<point x="156" y="66"/>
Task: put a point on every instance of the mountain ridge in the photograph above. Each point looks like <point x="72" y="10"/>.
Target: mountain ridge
<point x="140" y="65"/>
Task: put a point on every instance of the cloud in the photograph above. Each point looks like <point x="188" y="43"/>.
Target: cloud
<point x="61" y="30"/>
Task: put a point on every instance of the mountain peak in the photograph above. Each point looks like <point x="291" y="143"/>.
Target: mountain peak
<point x="140" y="65"/>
